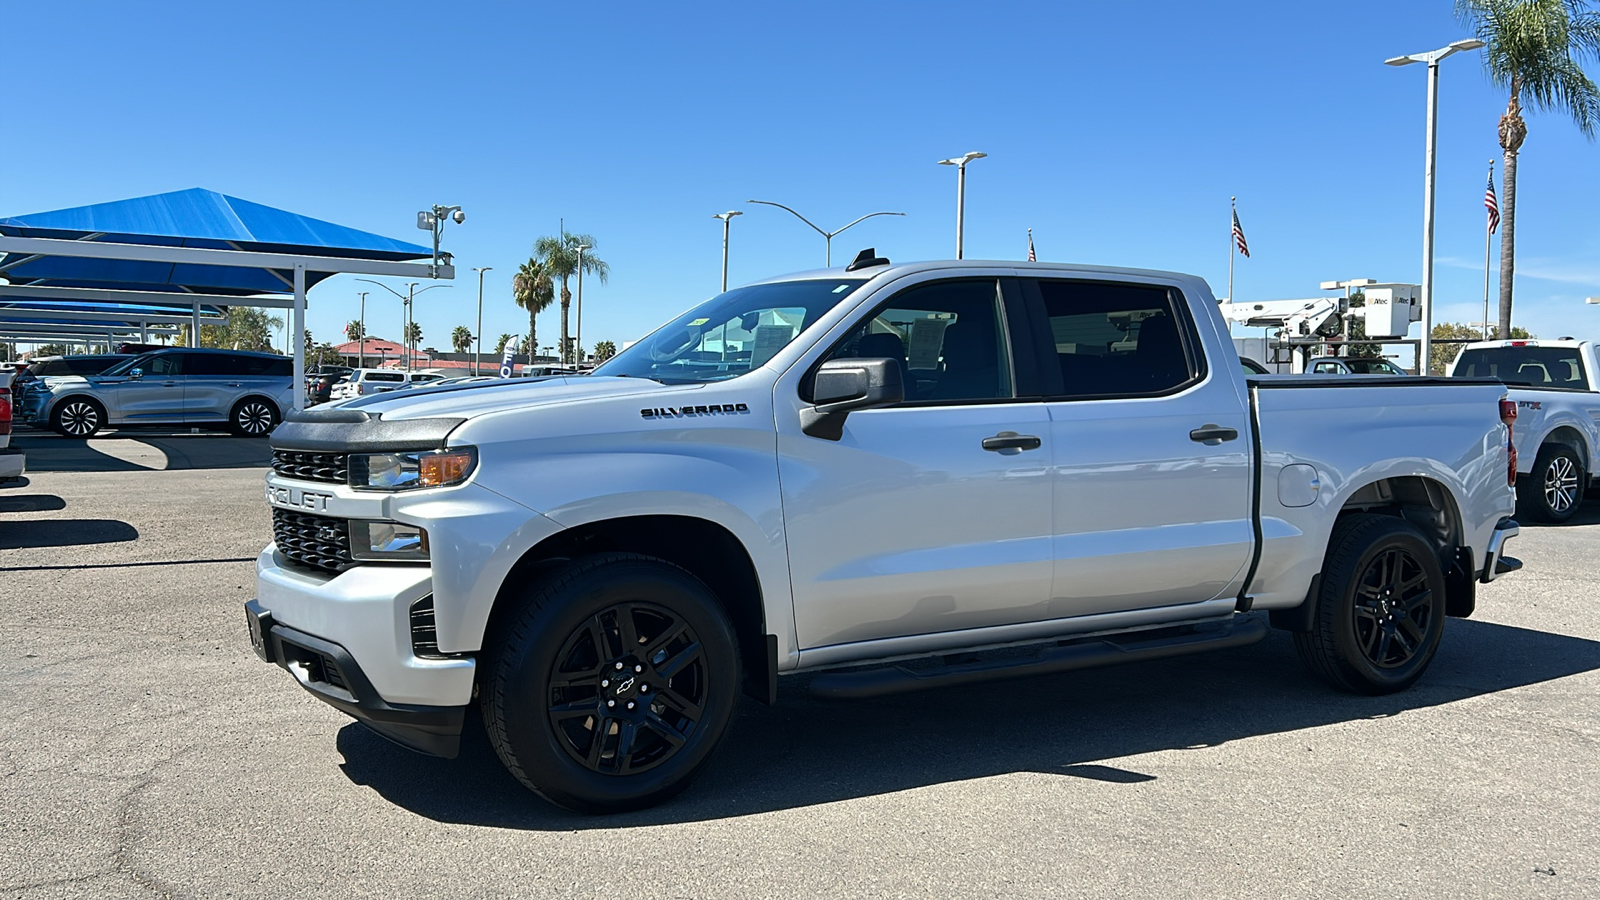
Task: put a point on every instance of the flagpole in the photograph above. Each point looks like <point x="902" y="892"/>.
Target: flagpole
<point x="1233" y="210"/>
<point x="1488" y="240"/>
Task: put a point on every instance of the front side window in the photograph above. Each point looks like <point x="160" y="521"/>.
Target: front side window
<point x="730" y="334"/>
<point x="949" y="338"/>
<point x="1117" y="339"/>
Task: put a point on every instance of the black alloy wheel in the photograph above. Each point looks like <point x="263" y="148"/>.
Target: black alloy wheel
<point x="1380" y="608"/>
<point x="628" y="689"/>
<point x="79" y="418"/>
<point x="1558" y="483"/>
<point x="254" y="417"/>
<point x="610" y="683"/>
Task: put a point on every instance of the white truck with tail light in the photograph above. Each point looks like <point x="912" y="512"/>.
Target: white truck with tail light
<point x="1556" y="389"/>
<point x="13" y="462"/>
<point x="894" y="477"/>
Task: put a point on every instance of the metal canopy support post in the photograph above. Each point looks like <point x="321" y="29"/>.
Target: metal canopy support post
<point x="194" y="325"/>
<point x="299" y="343"/>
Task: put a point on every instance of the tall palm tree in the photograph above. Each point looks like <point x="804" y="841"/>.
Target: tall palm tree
<point x="500" y="345"/>
<point x="413" y="336"/>
<point x="1534" y="51"/>
<point x="461" y="338"/>
<point x="532" y="290"/>
<point x="561" y="261"/>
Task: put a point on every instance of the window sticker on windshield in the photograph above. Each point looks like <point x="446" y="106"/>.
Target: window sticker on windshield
<point x="841" y="288"/>
<point x="699" y="321"/>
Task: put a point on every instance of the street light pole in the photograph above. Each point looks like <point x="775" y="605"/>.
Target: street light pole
<point x="1432" y="58"/>
<point x="578" y="338"/>
<point x="726" y="218"/>
<point x="828" y="236"/>
<point x="960" y="163"/>
<point x="478" y="350"/>
<point x="405" y="318"/>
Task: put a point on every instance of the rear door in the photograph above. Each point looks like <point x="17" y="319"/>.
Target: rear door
<point x="1152" y="472"/>
<point x="211" y="383"/>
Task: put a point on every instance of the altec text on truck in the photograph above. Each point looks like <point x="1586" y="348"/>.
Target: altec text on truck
<point x="868" y="471"/>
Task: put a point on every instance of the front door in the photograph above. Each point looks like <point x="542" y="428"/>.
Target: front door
<point x="1152" y="464"/>
<point x="155" y="396"/>
<point x="908" y="524"/>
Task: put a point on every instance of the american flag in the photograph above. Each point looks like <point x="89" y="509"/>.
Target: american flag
<point x="1238" y="236"/>
<point x="1491" y="205"/>
<point x="1032" y="257"/>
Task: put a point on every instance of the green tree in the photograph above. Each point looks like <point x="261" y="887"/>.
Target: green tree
<point x="500" y="345"/>
<point x="248" y="328"/>
<point x="604" y="350"/>
<point x="1534" y="51"/>
<point x="413" y="336"/>
<point x="560" y="260"/>
<point x="532" y="290"/>
<point x="50" y="350"/>
<point x="461" y="339"/>
<point x="1445" y="353"/>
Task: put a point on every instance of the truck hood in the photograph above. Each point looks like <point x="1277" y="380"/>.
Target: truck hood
<point x="471" y="400"/>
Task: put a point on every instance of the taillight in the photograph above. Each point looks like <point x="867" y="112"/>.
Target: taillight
<point x="5" y="410"/>
<point x="1508" y="415"/>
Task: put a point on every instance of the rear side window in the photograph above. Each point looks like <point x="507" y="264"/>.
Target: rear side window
<point x="384" y="376"/>
<point x="1118" y="339"/>
<point x="90" y="365"/>
<point x="1538" y="366"/>
<point x="209" y="364"/>
<point x="261" y="366"/>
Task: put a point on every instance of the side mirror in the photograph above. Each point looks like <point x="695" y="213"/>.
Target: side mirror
<point x="844" y="385"/>
<point x="136" y="373"/>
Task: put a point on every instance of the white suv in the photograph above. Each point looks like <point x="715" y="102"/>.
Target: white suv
<point x="361" y="382"/>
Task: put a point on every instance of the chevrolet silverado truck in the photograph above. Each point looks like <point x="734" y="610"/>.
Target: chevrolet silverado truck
<point x="892" y="477"/>
<point x="1557" y="432"/>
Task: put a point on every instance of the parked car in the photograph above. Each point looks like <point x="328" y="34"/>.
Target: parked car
<point x="319" y="384"/>
<point x="361" y="382"/>
<point x="1352" y="365"/>
<point x="893" y="477"/>
<point x="13" y="462"/>
<point x="542" y="370"/>
<point x="1251" y="367"/>
<point x="442" y="382"/>
<point x="244" y="391"/>
<point x="1557" y="433"/>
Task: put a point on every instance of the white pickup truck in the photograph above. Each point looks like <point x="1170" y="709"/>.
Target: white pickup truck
<point x="890" y="476"/>
<point x="1557" y="432"/>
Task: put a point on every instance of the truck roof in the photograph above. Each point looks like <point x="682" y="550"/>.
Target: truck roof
<point x="1528" y="342"/>
<point x="896" y="270"/>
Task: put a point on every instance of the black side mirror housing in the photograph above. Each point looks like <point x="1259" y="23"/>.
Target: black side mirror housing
<point x="841" y="386"/>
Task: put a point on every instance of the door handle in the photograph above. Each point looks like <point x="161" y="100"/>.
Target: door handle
<point x="1213" y="434"/>
<point x="1010" y="440"/>
<point x="169" y="384"/>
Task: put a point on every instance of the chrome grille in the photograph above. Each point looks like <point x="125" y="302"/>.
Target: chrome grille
<point x="332" y="468"/>
<point x="316" y="542"/>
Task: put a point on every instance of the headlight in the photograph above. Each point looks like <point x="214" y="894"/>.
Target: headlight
<point x="414" y="469"/>
<point x="388" y="541"/>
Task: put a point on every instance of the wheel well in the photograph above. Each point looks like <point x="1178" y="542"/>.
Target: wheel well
<point x="55" y="408"/>
<point x="1428" y="505"/>
<point x="277" y="413"/>
<point x="1570" y="437"/>
<point x="705" y="549"/>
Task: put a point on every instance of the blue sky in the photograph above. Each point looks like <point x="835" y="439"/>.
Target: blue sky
<point x="1116" y="131"/>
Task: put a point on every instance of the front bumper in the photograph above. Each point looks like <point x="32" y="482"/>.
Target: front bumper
<point x="330" y="673"/>
<point x="361" y="620"/>
<point x="1495" y="562"/>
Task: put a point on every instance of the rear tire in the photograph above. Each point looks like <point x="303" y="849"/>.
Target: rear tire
<point x="78" y="417"/>
<point x="1554" y="490"/>
<point x="614" y="683"/>
<point x="1380" y="610"/>
<point x="253" y="417"/>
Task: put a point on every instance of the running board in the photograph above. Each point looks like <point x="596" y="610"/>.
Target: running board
<point x="1112" y="650"/>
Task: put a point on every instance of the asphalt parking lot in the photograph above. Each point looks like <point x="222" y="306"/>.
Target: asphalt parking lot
<point x="146" y="751"/>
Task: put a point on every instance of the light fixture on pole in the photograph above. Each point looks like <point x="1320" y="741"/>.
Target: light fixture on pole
<point x="960" y="163"/>
<point x="433" y="221"/>
<point x="826" y="235"/>
<point x="726" y="218"/>
<point x="405" y="319"/>
<point x="578" y="338"/>
<point x="478" y="347"/>
<point x="1432" y="58"/>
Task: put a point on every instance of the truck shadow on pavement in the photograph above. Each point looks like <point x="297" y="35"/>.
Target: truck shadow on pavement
<point x="806" y="751"/>
<point x="133" y="451"/>
<point x="26" y="503"/>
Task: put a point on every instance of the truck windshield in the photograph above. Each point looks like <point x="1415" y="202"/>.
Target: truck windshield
<point x="730" y="334"/>
<point x="1560" y="367"/>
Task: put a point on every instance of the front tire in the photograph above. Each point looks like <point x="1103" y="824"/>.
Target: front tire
<point x="78" y="417"/>
<point x="1554" y="490"/>
<point x="253" y="417"/>
<point x="1380" y="609"/>
<point x="614" y="683"/>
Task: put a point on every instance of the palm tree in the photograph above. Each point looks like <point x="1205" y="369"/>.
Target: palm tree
<point x="532" y="290"/>
<point x="604" y="350"/>
<point x="413" y="336"/>
<point x="560" y="260"/>
<point x="1534" y="48"/>
<point x="352" y="330"/>
<point x="500" y="345"/>
<point x="461" y="338"/>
